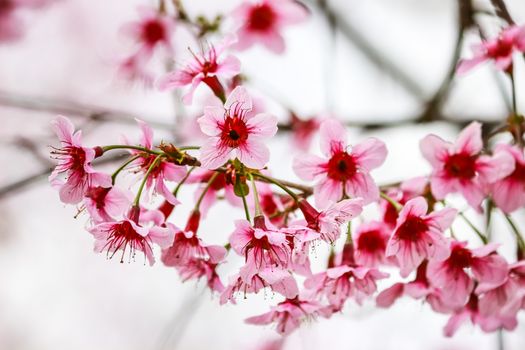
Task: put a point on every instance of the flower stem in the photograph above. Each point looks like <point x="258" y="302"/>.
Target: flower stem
<point x="138" y="148"/>
<point x="148" y="173"/>
<point x="474" y="228"/>
<point x="390" y="200"/>
<point x="179" y="185"/>
<point x="258" y="210"/>
<point x="188" y="148"/>
<point x="122" y="167"/>
<point x="277" y="183"/>
<point x="519" y="238"/>
<point x="205" y="190"/>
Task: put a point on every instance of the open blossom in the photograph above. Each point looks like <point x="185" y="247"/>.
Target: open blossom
<point x="499" y="50"/>
<point x="460" y="167"/>
<point x="204" y="68"/>
<point x="419" y="235"/>
<point x="233" y="131"/>
<point x="290" y="313"/>
<point x="370" y="243"/>
<point x="344" y="170"/>
<point x="488" y="269"/>
<point x="130" y="234"/>
<point x="106" y="203"/>
<point x="74" y="160"/>
<point x="261" y="21"/>
<point x="509" y="192"/>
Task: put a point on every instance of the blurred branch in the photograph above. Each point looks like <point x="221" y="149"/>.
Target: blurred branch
<point x="501" y="11"/>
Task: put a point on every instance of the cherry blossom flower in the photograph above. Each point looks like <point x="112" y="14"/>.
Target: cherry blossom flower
<point x="106" y="203"/>
<point x="130" y="234"/>
<point x="262" y="245"/>
<point x="204" y="68"/>
<point x="370" y="243"/>
<point x="460" y="167"/>
<point x="303" y="131"/>
<point x="186" y="246"/>
<point x="328" y="222"/>
<point x="197" y="268"/>
<point x="290" y="313"/>
<point x="343" y="171"/>
<point x="262" y="22"/>
<point x="74" y="161"/>
<point x="489" y="270"/>
<point x="233" y="131"/>
<point x="500" y="50"/>
<point x="419" y="235"/>
<point x="219" y="187"/>
<point x="509" y="192"/>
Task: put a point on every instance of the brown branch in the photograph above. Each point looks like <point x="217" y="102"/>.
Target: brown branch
<point x="501" y="11"/>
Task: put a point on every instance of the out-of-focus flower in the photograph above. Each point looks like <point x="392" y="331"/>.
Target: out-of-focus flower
<point x="303" y="131"/>
<point x="509" y="192"/>
<point x="343" y="171"/>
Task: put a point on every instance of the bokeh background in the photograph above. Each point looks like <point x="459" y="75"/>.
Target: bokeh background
<point x="375" y="62"/>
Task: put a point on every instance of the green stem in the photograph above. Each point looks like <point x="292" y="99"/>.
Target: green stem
<point x="390" y="200"/>
<point x="349" y="233"/>
<point x="277" y="183"/>
<point x="148" y="173"/>
<point x="122" y="167"/>
<point x="138" y="148"/>
<point x="179" y="185"/>
<point x="246" y="210"/>
<point x="205" y="190"/>
<point x="188" y="148"/>
<point x="519" y="238"/>
<point x="513" y="89"/>
<point x="258" y="210"/>
<point x="474" y="228"/>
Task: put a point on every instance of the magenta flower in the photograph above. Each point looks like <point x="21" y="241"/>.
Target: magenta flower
<point x="290" y="313"/>
<point x="509" y="192"/>
<point x="262" y="21"/>
<point x="499" y="50"/>
<point x="107" y="203"/>
<point x="419" y="235"/>
<point x="204" y="68"/>
<point x="343" y="171"/>
<point x="460" y="167"/>
<point x="74" y="161"/>
<point x="233" y="131"/>
<point x="130" y="235"/>
<point x="370" y="243"/>
<point x="451" y="275"/>
<point x="328" y="222"/>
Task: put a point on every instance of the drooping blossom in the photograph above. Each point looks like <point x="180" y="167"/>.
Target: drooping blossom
<point x="206" y="68"/>
<point x="487" y="268"/>
<point x="509" y="192"/>
<point x="370" y="240"/>
<point x="328" y="222"/>
<point x="187" y="246"/>
<point x="234" y="132"/>
<point x="197" y="268"/>
<point x="460" y="167"/>
<point x="262" y="21"/>
<point x="419" y="235"/>
<point x="107" y="203"/>
<point x="344" y="171"/>
<point x="499" y="50"/>
<point x="163" y="172"/>
<point x="289" y="314"/>
<point x="74" y="161"/>
<point x="303" y="131"/>
<point x="133" y="233"/>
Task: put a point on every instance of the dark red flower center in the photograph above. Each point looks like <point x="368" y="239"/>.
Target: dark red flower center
<point x="503" y="48"/>
<point x="153" y="32"/>
<point x="461" y="166"/>
<point x="371" y="241"/>
<point x="341" y="167"/>
<point x="123" y="236"/>
<point x="261" y="17"/>
<point x="460" y="257"/>
<point x="412" y="229"/>
<point x="6" y="6"/>
<point x="234" y="132"/>
<point x="519" y="173"/>
<point x="98" y="196"/>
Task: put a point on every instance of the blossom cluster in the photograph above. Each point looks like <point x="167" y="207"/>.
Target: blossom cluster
<point x="411" y="240"/>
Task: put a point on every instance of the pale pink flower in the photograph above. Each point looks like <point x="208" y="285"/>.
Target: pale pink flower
<point x="130" y="234"/>
<point x="74" y="160"/>
<point x="204" y="68"/>
<point x="488" y="269"/>
<point x="419" y="235"/>
<point x="460" y="167"/>
<point x="186" y="246"/>
<point x="303" y="130"/>
<point x="344" y="170"/>
<point x="233" y="132"/>
<point x="499" y="50"/>
<point x="290" y="313"/>
<point x="107" y="203"/>
<point x="509" y="192"/>
<point x="370" y="243"/>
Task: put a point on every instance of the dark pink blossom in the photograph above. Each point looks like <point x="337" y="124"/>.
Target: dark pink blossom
<point x="370" y="243"/>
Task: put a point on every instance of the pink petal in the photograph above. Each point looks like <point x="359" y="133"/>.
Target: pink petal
<point x="229" y="67"/>
<point x="63" y="128"/>
<point x="494" y="168"/>
<point x="370" y="153"/>
<point x="469" y="140"/>
<point x="262" y="125"/>
<point x="509" y="195"/>
<point x="327" y="191"/>
<point x="254" y="154"/>
<point x="388" y="297"/>
<point x="332" y="137"/>
<point x="434" y="149"/>
<point x="363" y="185"/>
<point x="210" y="123"/>
<point x="212" y="155"/>
<point x="239" y="96"/>
<point x="307" y="166"/>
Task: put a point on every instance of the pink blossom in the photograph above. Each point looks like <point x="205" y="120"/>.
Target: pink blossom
<point x="370" y="243"/>
<point x="186" y="246"/>
<point x="233" y="132"/>
<point x="303" y="131"/>
<point x="488" y="269"/>
<point x="328" y="222"/>
<point x="290" y="313"/>
<point x="262" y="22"/>
<point x="509" y="192"/>
<point x="419" y="235"/>
<point x="11" y="26"/>
<point x="197" y="268"/>
<point x="107" y="203"/>
<point x="219" y="187"/>
<point x="130" y="234"/>
<point x="74" y="161"/>
<point x="343" y="171"/>
<point x="204" y="68"/>
<point x="262" y="245"/>
<point x="500" y="50"/>
<point x="460" y="167"/>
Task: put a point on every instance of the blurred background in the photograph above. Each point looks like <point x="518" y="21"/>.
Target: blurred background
<point x="383" y="66"/>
